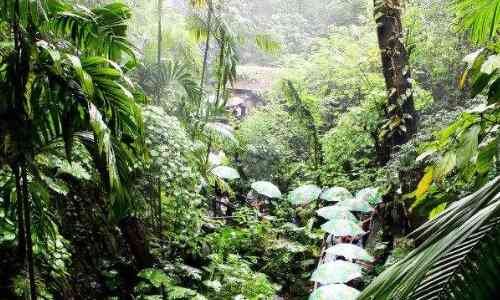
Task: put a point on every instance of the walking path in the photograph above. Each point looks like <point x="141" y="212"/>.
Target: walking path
<point x="343" y="258"/>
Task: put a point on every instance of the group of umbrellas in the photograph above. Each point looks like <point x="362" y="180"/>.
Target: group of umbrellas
<point x="341" y="222"/>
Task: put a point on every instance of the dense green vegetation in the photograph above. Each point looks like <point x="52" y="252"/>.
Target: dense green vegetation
<point x="266" y="149"/>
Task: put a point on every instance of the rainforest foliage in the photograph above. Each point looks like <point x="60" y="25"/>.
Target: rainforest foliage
<point x="265" y="149"/>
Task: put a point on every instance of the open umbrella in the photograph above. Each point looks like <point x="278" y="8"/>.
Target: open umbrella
<point x="267" y="189"/>
<point x="336" y="212"/>
<point x="304" y="194"/>
<point x="336" y="194"/>
<point x="350" y="251"/>
<point x="356" y="205"/>
<point x="370" y="195"/>
<point x="225" y="172"/>
<point x="338" y="271"/>
<point x="335" y="292"/>
<point x="342" y="227"/>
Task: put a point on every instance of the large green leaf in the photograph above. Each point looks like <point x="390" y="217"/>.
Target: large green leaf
<point x="480" y="18"/>
<point x="156" y="277"/>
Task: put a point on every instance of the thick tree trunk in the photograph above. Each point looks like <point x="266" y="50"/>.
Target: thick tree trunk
<point x="400" y="109"/>
<point x="135" y="236"/>
<point x="400" y="117"/>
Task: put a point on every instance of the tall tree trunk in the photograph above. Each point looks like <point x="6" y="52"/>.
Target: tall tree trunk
<point x="29" y="240"/>
<point x="22" y="69"/>
<point x="134" y="234"/>
<point x="400" y="109"/>
<point x="21" y="226"/>
<point x="221" y="84"/>
<point x="160" y="41"/>
<point x="205" y="54"/>
<point x="400" y="115"/>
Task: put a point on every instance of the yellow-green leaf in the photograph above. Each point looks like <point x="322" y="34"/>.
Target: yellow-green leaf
<point x="437" y="210"/>
<point x="445" y="166"/>
<point x="424" y="184"/>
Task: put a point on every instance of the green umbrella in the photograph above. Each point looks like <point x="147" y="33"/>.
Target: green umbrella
<point x="356" y="205"/>
<point x="304" y="194"/>
<point x="338" y="271"/>
<point x="335" y="292"/>
<point x="350" y="251"/>
<point x="336" y="194"/>
<point x="370" y="195"/>
<point x="267" y="189"/>
<point x="342" y="227"/>
<point x="336" y="212"/>
<point x="225" y="172"/>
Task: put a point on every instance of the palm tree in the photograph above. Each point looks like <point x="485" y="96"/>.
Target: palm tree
<point x="220" y="26"/>
<point x="62" y="84"/>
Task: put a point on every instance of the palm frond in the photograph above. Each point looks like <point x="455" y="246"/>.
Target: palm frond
<point x="454" y="259"/>
<point x="480" y="18"/>
<point x="101" y="31"/>
<point x="221" y="133"/>
<point x="267" y="43"/>
<point x="174" y="78"/>
<point x="199" y="3"/>
<point x="197" y="27"/>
